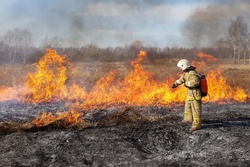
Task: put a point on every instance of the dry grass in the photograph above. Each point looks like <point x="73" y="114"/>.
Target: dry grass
<point x="87" y="74"/>
<point x="126" y="115"/>
<point x="236" y="75"/>
<point x="11" y="75"/>
<point x="9" y="127"/>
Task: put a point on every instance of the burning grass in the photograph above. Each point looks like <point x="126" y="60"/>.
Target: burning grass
<point x="137" y="99"/>
<point x="53" y="80"/>
<point x="77" y="120"/>
<point x="223" y="141"/>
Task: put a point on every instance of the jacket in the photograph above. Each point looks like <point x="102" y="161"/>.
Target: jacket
<point x="191" y="80"/>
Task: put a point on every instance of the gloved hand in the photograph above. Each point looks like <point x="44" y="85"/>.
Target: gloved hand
<point x="174" y="85"/>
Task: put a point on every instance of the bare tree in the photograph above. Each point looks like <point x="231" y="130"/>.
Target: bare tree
<point x="17" y="42"/>
<point x="11" y="45"/>
<point x="51" y="42"/>
<point x="25" y="41"/>
<point x="238" y="37"/>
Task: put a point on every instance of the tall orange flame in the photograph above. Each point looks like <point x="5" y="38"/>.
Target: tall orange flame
<point x="138" y="88"/>
<point x="220" y="91"/>
<point x="49" y="80"/>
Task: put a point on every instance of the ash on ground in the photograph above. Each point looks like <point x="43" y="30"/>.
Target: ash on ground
<point x="223" y="140"/>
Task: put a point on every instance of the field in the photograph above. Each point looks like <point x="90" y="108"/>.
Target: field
<point x="124" y="135"/>
<point x="88" y="73"/>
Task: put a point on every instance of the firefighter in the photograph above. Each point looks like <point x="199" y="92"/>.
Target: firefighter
<point x="192" y="109"/>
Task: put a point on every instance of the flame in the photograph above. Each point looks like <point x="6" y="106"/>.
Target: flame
<point x="68" y="118"/>
<point x="49" y="81"/>
<point x="201" y="59"/>
<point x="206" y="57"/>
<point x="138" y="88"/>
<point x="4" y="94"/>
<point x="218" y="88"/>
<point x="220" y="91"/>
<point x="9" y="93"/>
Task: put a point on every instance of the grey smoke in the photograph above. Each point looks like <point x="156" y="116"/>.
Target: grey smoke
<point x="205" y="26"/>
<point x="70" y="20"/>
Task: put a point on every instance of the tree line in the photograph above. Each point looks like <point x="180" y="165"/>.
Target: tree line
<point x="16" y="46"/>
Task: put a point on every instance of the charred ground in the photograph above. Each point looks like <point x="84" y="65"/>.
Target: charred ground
<point x="118" y="140"/>
<point x="126" y="136"/>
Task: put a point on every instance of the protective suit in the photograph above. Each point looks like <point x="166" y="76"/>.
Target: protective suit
<point x="192" y="109"/>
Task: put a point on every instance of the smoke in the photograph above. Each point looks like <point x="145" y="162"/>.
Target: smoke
<point x="112" y="21"/>
<point x="119" y="22"/>
<point x="67" y="20"/>
<point x="207" y="25"/>
<point x="79" y="22"/>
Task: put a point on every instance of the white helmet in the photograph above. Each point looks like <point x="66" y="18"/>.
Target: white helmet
<point x="183" y="64"/>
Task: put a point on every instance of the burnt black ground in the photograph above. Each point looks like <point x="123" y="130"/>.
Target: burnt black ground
<point x="223" y="140"/>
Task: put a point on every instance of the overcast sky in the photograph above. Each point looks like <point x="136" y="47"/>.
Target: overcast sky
<point x="181" y="23"/>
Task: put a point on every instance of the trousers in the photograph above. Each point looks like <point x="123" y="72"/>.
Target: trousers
<point x="192" y="112"/>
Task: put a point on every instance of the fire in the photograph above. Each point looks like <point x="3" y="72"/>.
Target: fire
<point x="68" y="118"/>
<point x="206" y="57"/>
<point x="220" y="91"/>
<point x="218" y="88"/>
<point x="201" y="59"/>
<point x="138" y="88"/>
<point x="9" y="93"/>
<point x="49" y="81"/>
<point x="4" y="93"/>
